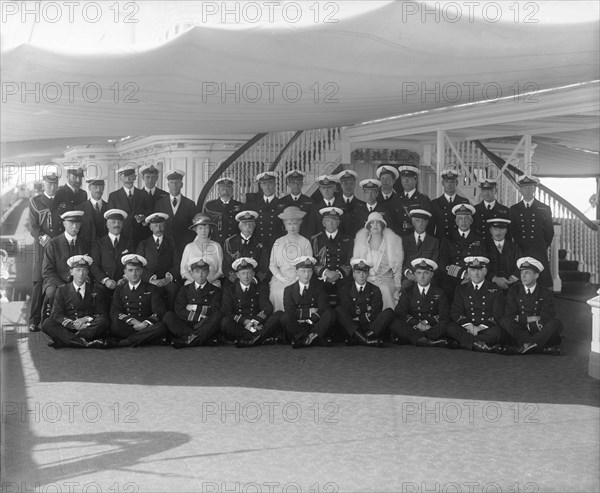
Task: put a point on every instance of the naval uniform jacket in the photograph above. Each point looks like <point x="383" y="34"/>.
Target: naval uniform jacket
<point x="68" y="306"/>
<point x="234" y="249"/>
<point x="314" y="219"/>
<point x="398" y="219"/>
<point x="519" y="305"/>
<point x="503" y="264"/>
<point x="443" y="221"/>
<point x="145" y="303"/>
<point x="252" y="304"/>
<point x="350" y="223"/>
<point x="93" y="224"/>
<point x="208" y="300"/>
<point x="107" y="261"/>
<point x="484" y="306"/>
<point x="141" y="205"/>
<point x="268" y="225"/>
<point x="157" y="194"/>
<point x="532" y="227"/>
<point x="224" y="218"/>
<point x="365" y="306"/>
<point x="332" y="254"/>
<point x="55" y="270"/>
<point x="482" y="214"/>
<point x="412" y="307"/>
<point x="177" y="225"/>
<point x="297" y="307"/>
<point x="160" y="261"/>
<point x="66" y="199"/>
<point x="43" y="220"/>
<point x="453" y="251"/>
<point x="430" y="248"/>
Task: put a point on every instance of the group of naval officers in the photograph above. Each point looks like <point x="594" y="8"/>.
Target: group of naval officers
<point x="149" y="266"/>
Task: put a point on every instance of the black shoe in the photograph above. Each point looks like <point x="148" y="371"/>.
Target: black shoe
<point x="56" y="344"/>
<point x="299" y="343"/>
<point x="505" y="350"/>
<point x="112" y="342"/>
<point x="78" y="342"/>
<point x="270" y="341"/>
<point x="365" y="340"/>
<point x="312" y="339"/>
<point x="33" y="327"/>
<point x="551" y="350"/>
<point x="248" y="342"/>
<point x="163" y="342"/>
<point x="452" y="344"/>
<point x="97" y="344"/>
<point x="481" y="347"/>
<point x="527" y="347"/>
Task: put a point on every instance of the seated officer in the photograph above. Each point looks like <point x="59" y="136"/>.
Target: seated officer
<point x="476" y="310"/>
<point x="463" y="242"/>
<point x="418" y="244"/>
<point x="79" y="317"/>
<point x="308" y="317"/>
<point x="196" y="318"/>
<point x="503" y="253"/>
<point x="107" y="252"/>
<point x="530" y="317"/>
<point x="137" y="308"/>
<point x="422" y="311"/>
<point x="245" y="244"/>
<point x="55" y="270"/>
<point x="160" y="252"/>
<point x="360" y="311"/>
<point x="247" y="312"/>
<point x="333" y="251"/>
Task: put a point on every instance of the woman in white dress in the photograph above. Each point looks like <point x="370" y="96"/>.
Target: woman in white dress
<point x="284" y="253"/>
<point x="203" y="247"/>
<point x="382" y="248"/>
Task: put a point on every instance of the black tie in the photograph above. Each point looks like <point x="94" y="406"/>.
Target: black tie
<point x="132" y="289"/>
<point x="419" y="242"/>
<point x="406" y="196"/>
<point x="244" y="242"/>
<point x="157" y="243"/>
<point x="97" y="207"/>
<point x="295" y="199"/>
<point x="72" y="248"/>
<point x="476" y="288"/>
<point x="130" y="199"/>
<point x="450" y="200"/>
<point x="423" y="293"/>
<point x="489" y="207"/>
<point x="361" y="289"/>
<point x="499" y="246"/>
<point x="116" y="243"/>
<point x="529" y="292"/>
<point x="79" y="294"/>
<point x="347" y="201"/>
<point x="304" y="290"/>
<point x="175" y="202"/>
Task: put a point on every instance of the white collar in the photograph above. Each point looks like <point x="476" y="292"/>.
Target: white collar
<point x="387" y="196"/>
<point x="466" y="233"/>
<point x="134" y="286"/>
<point x="348" y="199"/>
<point x="422" y="235"/>
<point x="530" y="203"/>
<point x="112" y="237"/>
<point x="411" y="193"/>
<point x="159" y="238"/>
<point x="491" y="204"/>
<point x="225" y="203"/>
<point x="302" y="286"/>
<point x="150" y="190"/>
<point x="531" y="289"/>
<point x="71" y="187"/>
<point x="477" y="286"/>
<point x="499" y="243"/>
<point x="196" y="285"/>
<point x="174" y="197"/>
<point x="425" y="289"/>
<point x="372" y="206"/>
<point x="128" y="190"/>
<point x="244" y="288"/>
<point x="69" y="237"/>
<point x="269" y="198"/>
<point x="358" y="286"/>
<point x="82" y="287"/>
<point x="449" y="197"/>
<point x="94" y="202"/>
<point x="329" y="202"/>
<point x="48" y="196"/>
<point x="331" y="235"/>
<point x="296" y="197"/>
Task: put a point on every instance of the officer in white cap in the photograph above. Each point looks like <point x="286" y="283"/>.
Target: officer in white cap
<point x="488" y="208"/>
<point x="137" y="308"/>
<point x="371" y="188"/>
<point x="350" y="224"/>
<point x="422" y="312"/>
<point x="531" y="226"/>
<point x="530" y="317"/>
<point x="79" y="316"/>
<point x="360" y="310"/>
<point x="197" y="316"/>
<point x="410" y="197"/>
<point x="70" y="195"/>
<point x="443" y="221"/>
<point x="418" y="244"/>
<point x="149" y="174"/>
<point x="476" y="310"/>
<point x="55" y="271"/>
<point x="179" y="209"/>
<point x="328" y="187"/>
<point x="268" y="206"/>
<point x="503" y="253"/>
<point x="223" y="210"/>
<point x="135" y="202"/>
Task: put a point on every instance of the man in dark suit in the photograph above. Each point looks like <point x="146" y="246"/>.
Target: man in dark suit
<point x="371" y="188"/>
<point x="245" y="244"/>
<point x="107" y="269"/>
<point x="530" y="317"/>
<point x="360" y="310"/>
<point x="135" y="202"/>
<point x="333" y="251"/>
<point x="327" y="187"/>
<point x="398" y="218"/>
<point x="476" y="310"/>
<point x="503" y="253"/>
<point x="93" y="224"/>
<point x="268" y="207"/>
<point x="418" y="244"/>
<point x="150" y="176"/>
<point x="179" y="209"/>
<point x="349" y="225"/>
<point x="295" y="181"/>
<point x="137" y="308"/>
<point x="308" y="317"/>
<point x="197" y="314"/>
<point x="488" y="208"/>
<point x="55" y="270"/>
<point x="531" y="226"/>
<point x="247" y="311"/>
<point x="44" y="224"/>
<point x="410" y="197"/>
<point x="70" y="195"/>
<point x="223" y="210"/>
<point x="463" y="242"/>
<point x="422" y="311"/>
<point x="162" y="269"/>
<point x="442" y="223"/>
<point x="79" y="317"/>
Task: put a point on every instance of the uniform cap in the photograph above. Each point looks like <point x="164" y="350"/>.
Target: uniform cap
<point x="115" y="214"/>
<point x="450" y="173"/>
<point x="498" y="222"/>
<point x="370" y="183"/>
<point x="463" y="209"/>
<point x="175" y="174"/>
<point x="327" y="180"/>
<point x="75" y="216"/>
<point x="79" y="261"/>
<point x="148" y="168"/>
<point x="126" y="170"/>
<point x="528" y="180"/>
<point x="244" y="263"/>
<point x="157" y="217"/>
<point x="305" y="261"/>
<point x="529" y="263"/>
<point x="134" y="259"/>
<point x="347" y="174"/>
<point x="476" y="262"/>
<point x="408" y="170"/>
<point x="246" y="216"/>
<point x="225" y="181"/>
<point x="266" y="176"/>
<point x="294" y="174"/>
<point x="386" y="168"/>
<point x="75" y="169"/>
<point x="424" y="263"/>
<point x="360" y="264"/>
<point x="334" y="212"/>
<point x="99" y="180"/>
<point x="487" y="183"/>
<point x="199" y="262"/>
<point x="420" y="213"/>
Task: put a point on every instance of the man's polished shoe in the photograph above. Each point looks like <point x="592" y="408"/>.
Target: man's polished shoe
<point x="112" y="342"/>
<point x="365" y="340"/>
<point x="33" y="327"/>
<point x="551" y="350"/>
<point x="481" y="347"/>
<point x="248" y="342"/>
<point x="527" y="347"/>
<point x="505" y="350"/>
<point x="426" y="342"/>
<point x="312" y="339"/>
<point x="452" y="344"/>
<point x="270" y="341"/>
<point x="97" y="344"/>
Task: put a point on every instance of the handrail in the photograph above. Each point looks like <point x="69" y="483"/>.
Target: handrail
<point x="499" y="162"/>
<point x="224" y="165"/>
<point x="294" y="138"/>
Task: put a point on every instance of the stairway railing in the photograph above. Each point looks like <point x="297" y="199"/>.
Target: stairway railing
<point x="580" y="236"/>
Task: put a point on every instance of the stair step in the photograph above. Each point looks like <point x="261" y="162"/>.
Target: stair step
<point x="578" y="288"/>
<point x="564" y="265"/>
<point x="574" y="276"/>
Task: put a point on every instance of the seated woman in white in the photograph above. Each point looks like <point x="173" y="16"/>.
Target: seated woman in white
<point x="382" y="248"/>
<point x="210" y="251"/>
<point x="284" y="253"/>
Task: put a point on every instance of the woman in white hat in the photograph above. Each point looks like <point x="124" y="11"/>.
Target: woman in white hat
<point x="204" y="247"/>
<point x="284" y="253"/>
<point x="382" y="248"/>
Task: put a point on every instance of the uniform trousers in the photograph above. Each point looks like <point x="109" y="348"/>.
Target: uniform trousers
<point x="297" y="330"/>
<point x="98" y="329"/>
<point x="491" y="336"/>
<point x="409" y="335"/>
<point x="131" y="337"/>
<point x="549" y="335"/>
<point x="235" y="330"/>
<point x="204" y="330"/>
<point x="377" y="326"/>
